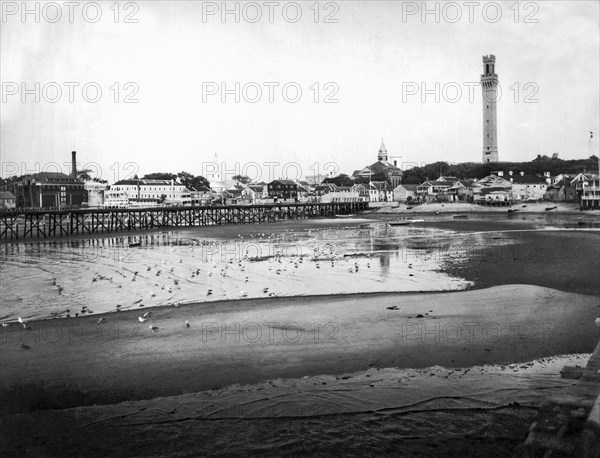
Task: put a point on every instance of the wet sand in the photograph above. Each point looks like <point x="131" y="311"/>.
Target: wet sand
<point x="73" y="362"/>
<point x="372" y="412"/>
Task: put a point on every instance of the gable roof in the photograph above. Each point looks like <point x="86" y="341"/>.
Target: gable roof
<point x="449" y="179"/>
<point x="6" y="195"/>
<point x="408" y="187"/>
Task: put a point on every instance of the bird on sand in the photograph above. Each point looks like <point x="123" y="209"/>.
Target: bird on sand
<point x="147" y="314"/>
<point x="142" y="319"/>
<point x="101" y="320"/>
<point x="187" y="324"/>
<point x="153" y="328"/>
<point x="25" y="346"/>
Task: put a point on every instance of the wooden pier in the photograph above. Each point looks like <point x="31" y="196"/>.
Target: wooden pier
<point x="16" y="225"/>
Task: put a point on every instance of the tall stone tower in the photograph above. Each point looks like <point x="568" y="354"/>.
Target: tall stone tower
<point x="382" y="154"/>
<point x="489" y="87"/>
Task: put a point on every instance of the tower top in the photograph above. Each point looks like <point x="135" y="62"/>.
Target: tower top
<point x="382" y="147"/>
<point x="489" y="64"/>
<point x="382" y="155"/>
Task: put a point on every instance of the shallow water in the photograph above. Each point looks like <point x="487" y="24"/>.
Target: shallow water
<point x="96" y="275"/>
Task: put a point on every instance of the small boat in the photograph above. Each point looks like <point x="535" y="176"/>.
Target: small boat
<point x="460" y="216"/>
<point x="134" y="244"/>
<point x="416" y="220"/>
<point x="399" y="223"/>
<point x="549" y="208"/>
<point x="344" y="216"/>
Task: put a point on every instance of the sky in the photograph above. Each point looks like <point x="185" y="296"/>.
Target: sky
<point x="161" y="68"/>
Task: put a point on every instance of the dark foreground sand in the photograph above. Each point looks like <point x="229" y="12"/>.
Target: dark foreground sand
<point x="77" y="362"/>
<point x="74" y="362"/>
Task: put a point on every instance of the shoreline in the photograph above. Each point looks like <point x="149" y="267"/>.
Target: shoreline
<point x="461" y="207"/>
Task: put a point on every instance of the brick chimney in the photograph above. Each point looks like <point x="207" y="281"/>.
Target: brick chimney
<point x="73" y="164"/>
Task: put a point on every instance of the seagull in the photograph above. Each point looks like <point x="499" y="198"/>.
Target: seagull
<point x="187" y="324"/>
<point x="142" y="319"/>
<point x="209" y="292"/>
<point x="25" y="346"/>
<point x="244" y="293"/>
<point x="5" y="325"/>
<point x="147" y="314"/>
<point x="101" y="320"/>
<point x="21" y="320"/>
<point x="152" y="294"/>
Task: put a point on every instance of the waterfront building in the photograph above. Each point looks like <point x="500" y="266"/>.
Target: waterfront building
<point x="7" y="200"/>
<point x="492" y="188"/>
<point x="284" y="189"/>
<point x="404" y="192"/>
<point x="143" y="192"/>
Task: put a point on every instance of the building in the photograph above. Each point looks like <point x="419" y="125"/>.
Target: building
<point x="49" y="190"/>
<point x="431" y="191"/>
<point x="363" y="191"/>
<point x="95" y="193"/>
<point x="492" y="189"/>
<point x="462" y="190"/>
<point x="405" y="192"/>
<point x="527" y="187"/>
<point x="380" y="191"/>
<point x="115" y="199"/>
<point x="381" y="168"/>
<point x="7" y="200"/>
<point x="561" y="189"/>
<point x="283" y="189"/>
<point x="489" y="87"/>
<point x="143" y="192"/>
<point x="587" y="186"/>
<point x="254" y="193"/>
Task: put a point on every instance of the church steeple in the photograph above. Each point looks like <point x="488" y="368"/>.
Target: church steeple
<point x="382" y="156"/>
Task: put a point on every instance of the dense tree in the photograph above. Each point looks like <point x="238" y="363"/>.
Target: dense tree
<point x="341" y="180"/>
<point x="159" y="176"/>
<point x="242" y="179"/>
<point x="464" y="170"/>
<point x="198" y="183"/>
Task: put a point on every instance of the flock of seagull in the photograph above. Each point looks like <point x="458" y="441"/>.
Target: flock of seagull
<point x="232" y="268"/>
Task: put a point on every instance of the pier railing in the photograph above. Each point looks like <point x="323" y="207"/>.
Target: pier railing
<point x="39" y="224"/>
